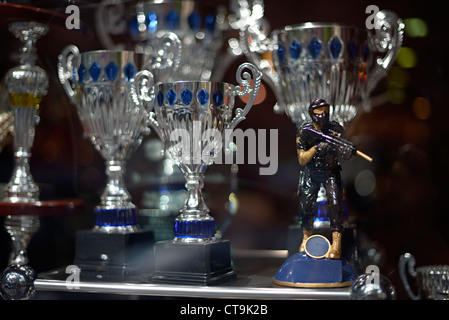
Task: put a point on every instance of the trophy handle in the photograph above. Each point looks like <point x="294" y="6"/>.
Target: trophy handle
<point x="407" y="261"/>
<point x="142" y="92"/>
<point x="109" y="19"/>
<point x="244" y="79"/>
<point x="168" y="53"/>
<point x="67" y="62"/>
<point x="387" y="39"/>
<point x="259" y="49"/>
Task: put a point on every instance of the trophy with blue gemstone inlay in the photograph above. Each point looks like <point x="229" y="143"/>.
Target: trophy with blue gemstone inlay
<point x="100" y="83"/>
<point x="195" y="119"/>
<point x="342" y="65"/>
<point x="338" y="63"/>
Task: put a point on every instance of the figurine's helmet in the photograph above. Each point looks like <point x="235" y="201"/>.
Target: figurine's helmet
<point x="322" y="119"/>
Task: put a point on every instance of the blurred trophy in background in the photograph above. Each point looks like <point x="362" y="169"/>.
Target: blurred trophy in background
<point x="192" y="118"/>
<point x="431" y="282"/>
<point x="203" y="30"/>
<point x="27" y="84"/>
<point x="99" y="84"/>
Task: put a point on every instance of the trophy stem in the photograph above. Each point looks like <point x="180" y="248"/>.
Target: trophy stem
<point x="21" y="229"/>
<point x="22" y="187"/>
<point x="116" y="211"/>
<point x="194" y="224"/>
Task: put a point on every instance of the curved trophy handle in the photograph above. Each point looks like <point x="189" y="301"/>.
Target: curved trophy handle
<point x="142" y="93"/>
<point x="259" y="49"/>
<point x="109" y="20"/>
<point x="244" y="79"/>
<point x="168" y="55"/>
<point x="67" y="63"/>
<point x="387" y="39"/>
<point x="407" y="262"/>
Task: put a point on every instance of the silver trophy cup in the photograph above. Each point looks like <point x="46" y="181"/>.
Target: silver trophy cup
<point x="27" y="84"/>
<point x="340" y="64"/>
<point x="432" y="281"/>
<point x="99" y="84"/>
<point x="193" y="119"/>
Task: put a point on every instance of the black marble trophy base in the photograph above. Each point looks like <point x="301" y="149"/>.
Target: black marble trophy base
<point x="114" y="256"/>
<point x="193" y="263"/>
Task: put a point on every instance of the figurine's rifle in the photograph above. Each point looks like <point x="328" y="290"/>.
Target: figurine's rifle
<point x="334" y="140"/>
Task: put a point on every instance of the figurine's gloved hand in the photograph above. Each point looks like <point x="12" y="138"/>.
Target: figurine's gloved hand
<point x="323" y="146"/>
<point x="346" y="152"/>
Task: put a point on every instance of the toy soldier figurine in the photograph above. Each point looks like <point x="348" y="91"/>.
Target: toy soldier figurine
<point x="319" y="144"/>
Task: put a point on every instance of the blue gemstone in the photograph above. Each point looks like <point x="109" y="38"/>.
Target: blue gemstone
<point x="209" y="22"/>
<point x="152" y="21"/>
<point x="295" y="50"/>
<point x="171" y="97"/>
<point x="74" y="75"/>
<point x="111" y="71"/>
<point x="172" y="20"/>
<point x="314" y="48"/>
<point x="186" y="96"/>
<point x="160" y="98"/>
<point x="321" y="211"/>
<point x="194" y="21"/>
<point x="335" y="47"/>
<point x="281" y="53"/>
<point x="95" y="71"/>
<point x="134" y="26"/>
<point x="203" y="97"/>
<point x="218" y="98"/>
<point x="81" y="73"/>
<point x="352" y="49"/>
<point x="365" y="51"/>
<point x="130" y="71"/>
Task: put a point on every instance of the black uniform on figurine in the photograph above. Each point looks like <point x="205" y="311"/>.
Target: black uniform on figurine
<point x="321" y="166"/>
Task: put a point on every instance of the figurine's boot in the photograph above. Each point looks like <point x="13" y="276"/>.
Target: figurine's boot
<point x="335" y="252"/>
<point x="306" y="234"/>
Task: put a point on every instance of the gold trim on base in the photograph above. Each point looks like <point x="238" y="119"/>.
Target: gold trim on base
<point x="312" y="285"/>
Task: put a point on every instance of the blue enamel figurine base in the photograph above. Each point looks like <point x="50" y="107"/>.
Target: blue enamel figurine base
<point x="311" y="270"/>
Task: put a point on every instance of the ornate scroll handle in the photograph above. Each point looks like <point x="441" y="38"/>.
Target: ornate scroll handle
<point x="68" y="61"/>
<point x="168" y="53"/>
<point x="109" y="19"/>
<point x="407" y="261"/>
<point x="256" y="43"/>
<point x="387" y="39"/>
<point x="244" y="79"/>
<point x="142" y="93"/>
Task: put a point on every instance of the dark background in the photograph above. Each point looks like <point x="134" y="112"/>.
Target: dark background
<point x="407" y="212"/>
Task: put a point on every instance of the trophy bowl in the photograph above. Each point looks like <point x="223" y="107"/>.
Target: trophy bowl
<point x="432" y="281"/>
<point x="338" y="63"/>
<point x="102" y="82"/>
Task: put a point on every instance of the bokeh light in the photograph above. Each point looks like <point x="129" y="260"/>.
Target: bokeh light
<point x="407" y="58"/>
<point x="416" y="27"/>
<point x="422" y="109"/>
